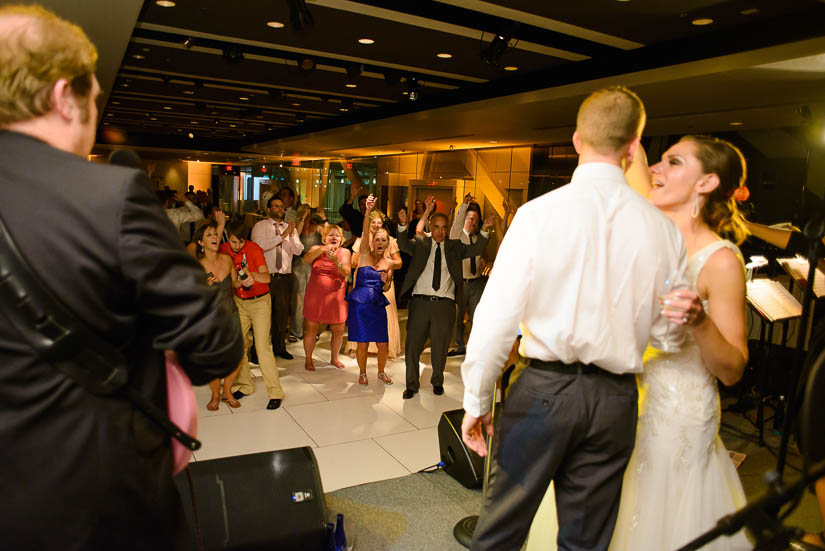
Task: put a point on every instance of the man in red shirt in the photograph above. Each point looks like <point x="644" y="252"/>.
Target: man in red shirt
<point x="255" y="309"/>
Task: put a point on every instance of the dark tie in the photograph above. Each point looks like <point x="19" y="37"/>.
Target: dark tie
<point x="437" y="268"/>
<point x="472" y="258"/>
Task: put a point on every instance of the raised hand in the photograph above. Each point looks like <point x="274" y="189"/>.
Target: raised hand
<point x="219" y="217"/>
<point x="469" y="199"/>
<point x="489" y="220"/>
<point x="429" y="203"/>
<point x="370" y="203"/>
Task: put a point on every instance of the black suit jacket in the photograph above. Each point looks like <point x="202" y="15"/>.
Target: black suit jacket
<point x="81" y="471"/>
<point x="454" y="251"/>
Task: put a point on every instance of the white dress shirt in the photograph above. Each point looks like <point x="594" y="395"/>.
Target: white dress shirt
<point x="457" y="231"/>
<point x="424" y="284"/>
<point x="267" y="234"/>
<point x="580" y="269"/>
<point x="187" y="213"/>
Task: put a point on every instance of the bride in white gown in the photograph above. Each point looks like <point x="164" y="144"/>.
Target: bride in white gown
<point x="680" y="479"/>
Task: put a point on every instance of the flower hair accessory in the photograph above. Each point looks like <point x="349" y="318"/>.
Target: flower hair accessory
<point x="740" y="194"/>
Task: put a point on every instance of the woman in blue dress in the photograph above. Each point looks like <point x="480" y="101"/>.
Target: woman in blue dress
<point x="367" y="320"/>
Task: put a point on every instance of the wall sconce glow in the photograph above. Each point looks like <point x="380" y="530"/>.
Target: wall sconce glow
<point x="701" y="22"/>
<point x="366" y="41"/>
<point x="165" y="3"/>
<point x="275" y="24"/>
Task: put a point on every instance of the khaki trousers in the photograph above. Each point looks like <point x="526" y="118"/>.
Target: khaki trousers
<point x="257" y="313"/>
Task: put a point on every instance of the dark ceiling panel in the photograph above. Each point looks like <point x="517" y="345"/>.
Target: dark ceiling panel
<point x="655" y="21"/>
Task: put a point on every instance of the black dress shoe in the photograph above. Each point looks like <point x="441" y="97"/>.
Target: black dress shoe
<point x="409" y="394"/>
<point x="438" y="390"/>
<point x="274" y="403"/>
<point x="456" y="352"/>
<point x="285" y="355"/>
<point x="238" y="395"/>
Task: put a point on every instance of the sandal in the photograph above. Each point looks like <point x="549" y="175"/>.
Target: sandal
<point x="213" y="405"/>
<point x="233" y="403"/>
<point x="384" y="377"/>
<point x="362" y="378"/>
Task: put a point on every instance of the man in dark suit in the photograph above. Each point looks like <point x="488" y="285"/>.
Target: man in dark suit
<point x="435" y="278"/>
<point x="82" y="471"/>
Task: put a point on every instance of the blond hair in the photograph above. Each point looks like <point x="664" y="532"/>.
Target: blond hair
<point x="609" y="119"/>
<point x="35" y="52"/>
<point x="376" y="213"/>
<point x="328" y="228"/>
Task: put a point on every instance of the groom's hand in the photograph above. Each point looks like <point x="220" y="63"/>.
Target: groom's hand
<point x="472" y="434"/>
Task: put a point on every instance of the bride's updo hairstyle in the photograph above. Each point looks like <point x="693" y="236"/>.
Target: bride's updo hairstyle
<point x="720" y="211"/>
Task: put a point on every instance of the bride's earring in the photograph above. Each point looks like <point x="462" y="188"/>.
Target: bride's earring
<point x="695" y="211"/>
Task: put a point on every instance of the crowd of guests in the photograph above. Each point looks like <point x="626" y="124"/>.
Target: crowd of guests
<point x="293" y="275"/>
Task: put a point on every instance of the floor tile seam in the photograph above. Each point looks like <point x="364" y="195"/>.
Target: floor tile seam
<point x="390" y="453"/>
<point x="294" y="420"/>
<point x="367" y="438"/>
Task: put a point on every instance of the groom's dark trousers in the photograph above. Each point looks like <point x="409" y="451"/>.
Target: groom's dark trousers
<point x="574" y="425"/>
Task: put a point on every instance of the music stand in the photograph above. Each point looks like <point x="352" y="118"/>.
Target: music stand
<point x="774" y="304"/>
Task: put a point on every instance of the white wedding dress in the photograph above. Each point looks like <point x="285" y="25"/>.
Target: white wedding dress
<point x="680" y="479"/>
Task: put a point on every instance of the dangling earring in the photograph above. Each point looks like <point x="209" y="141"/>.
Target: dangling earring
<point x="694" y="213"/>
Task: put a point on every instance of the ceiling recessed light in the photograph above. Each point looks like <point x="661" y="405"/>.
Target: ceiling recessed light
<point x="343" y="109"/>
<point x="736" y="123"/>
<point x="110" y="114"/>
<point x="167" y="107"/>
<point x="125" y="85"/>
<point x="749" y="11"/>
<point x="190" y="92"/>
<point x="138" y="56"/>
<point x="243" y="98"/>
<point x="493" y="141"/>
<point x="366" y="41"/>
<point x="444" y="55"/>
<point x="193" y="122"/>
<point x="351" y="85"/>
<point x="145" y="50"/>
<point x="165" y="3"/>
<point x="232" y="125"/>
<point x="191" y="135"/>
<point x="405" y="92"/>
<point x="275" y="24"/>
<point x="153" y="118"/>
<point x="296" y="104"/>
<point x="702" y="21"/>
<point x="511" y="68"/>
<point x="115" y="103"/>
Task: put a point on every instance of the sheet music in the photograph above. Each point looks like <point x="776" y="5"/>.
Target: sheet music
<point x="772" y="300"/>
<point x="798" y="267"/>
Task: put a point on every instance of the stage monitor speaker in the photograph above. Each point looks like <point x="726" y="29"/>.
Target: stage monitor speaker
<point x="270" y="500"/>
<point x="461" y="463"/>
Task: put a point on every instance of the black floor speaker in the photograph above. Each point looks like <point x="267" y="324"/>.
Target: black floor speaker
<point x="270" y="500"/>
<point x="460" y="462"/>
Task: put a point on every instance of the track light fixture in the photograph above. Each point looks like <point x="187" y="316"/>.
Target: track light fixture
<point x="189" y="42"/>
<point x="498" y="45"/>
<point x="300" y="17"/>
<point x="354" y="70"/>
<point x="233" y="54"/>
<point x="413" y="89"/>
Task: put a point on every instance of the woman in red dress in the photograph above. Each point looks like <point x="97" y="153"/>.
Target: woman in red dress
<point x="324" y="300"/>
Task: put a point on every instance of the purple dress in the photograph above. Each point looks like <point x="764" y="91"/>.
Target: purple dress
<point x="367" y="321"/>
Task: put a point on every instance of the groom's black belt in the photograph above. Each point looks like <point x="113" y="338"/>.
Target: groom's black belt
<point x="576" y="368"/>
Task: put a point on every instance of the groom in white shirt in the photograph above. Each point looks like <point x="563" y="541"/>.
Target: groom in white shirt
<point x="580" y="271"/>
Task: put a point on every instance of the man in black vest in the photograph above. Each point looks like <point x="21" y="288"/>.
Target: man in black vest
<point x="435" y="278"/>
<point x="82" y="471"/>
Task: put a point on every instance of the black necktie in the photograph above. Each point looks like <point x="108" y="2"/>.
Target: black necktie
<point x="472" y="259"/>
<point x="437" y="268"/>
